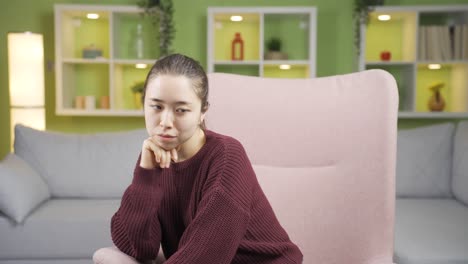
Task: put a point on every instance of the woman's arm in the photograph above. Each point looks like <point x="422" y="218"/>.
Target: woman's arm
<point x="223" y="213"/>
<point x="135" y="227"/>
<point x="215" y="234"/>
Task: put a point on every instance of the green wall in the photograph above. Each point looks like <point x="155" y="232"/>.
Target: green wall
<point x="335" y="54"/>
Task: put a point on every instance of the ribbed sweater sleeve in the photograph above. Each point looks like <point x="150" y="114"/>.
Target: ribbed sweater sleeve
<point x="223" y="214"/>
<point x="135" y="228"/>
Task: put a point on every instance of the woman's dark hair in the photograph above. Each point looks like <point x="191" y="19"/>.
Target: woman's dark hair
<point x="181" y="65"/>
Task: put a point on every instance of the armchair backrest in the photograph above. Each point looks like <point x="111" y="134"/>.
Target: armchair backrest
<point x="324" y="151"/>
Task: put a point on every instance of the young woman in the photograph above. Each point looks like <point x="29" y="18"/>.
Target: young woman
<point x="194" y="191"/>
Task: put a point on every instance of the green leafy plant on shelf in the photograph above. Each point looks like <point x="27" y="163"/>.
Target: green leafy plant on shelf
<point x="274" y="50"/>
<point x="361" y="11"/>
<point x="161" y="13"/>
<point x="274" y="44"/>
<point x="137" y="90"/>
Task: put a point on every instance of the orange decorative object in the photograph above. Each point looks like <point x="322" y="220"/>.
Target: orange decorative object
<point x="237" y="47"/>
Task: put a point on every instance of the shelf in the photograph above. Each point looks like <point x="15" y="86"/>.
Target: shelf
<point x="101" y="112"/>
<point x="84" y="80"/>
<point x="250" y="70"/>
<point x="455" y="80"/>
<point x="295" y="27"/>
<point x="431" y="115"/>
<point x="292" y="30"/>
<point x="99" y="84"/>
<point x="385" y="63"/>
<point x="79" y="32"/>
<point x="235" y="62"/>
<point x="126" y="40"/>
<point x="126" y="76"/>
<point x="442" y="62"/>
<point x="399" y="36"/>
<point x="295" y="71"/>
<point x="413" y="50"/>
<point x="290" y="62"/>
<point x="225" y="30"/>
<point x="134" y="61"/>
<point x="405" y="78"/>
<point x="86" y="61"/>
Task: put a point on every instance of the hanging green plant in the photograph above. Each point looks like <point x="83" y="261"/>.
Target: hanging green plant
<point x="161" y="12"/>
<point x="361" y="11"/>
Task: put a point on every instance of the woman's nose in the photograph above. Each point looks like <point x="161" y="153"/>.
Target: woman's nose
<point x="167" y="119"/>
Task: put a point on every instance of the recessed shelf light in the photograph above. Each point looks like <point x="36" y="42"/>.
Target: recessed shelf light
<point x="434" y="66"/>
<point x="92" y="16"/>
<point x="384" y="17"/>
<point x="141" y="66"/>
<point x="285" y="66"/>
<point x="236" y="18"/>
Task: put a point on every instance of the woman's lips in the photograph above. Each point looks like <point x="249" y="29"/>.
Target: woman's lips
<point x="166" y="137"/>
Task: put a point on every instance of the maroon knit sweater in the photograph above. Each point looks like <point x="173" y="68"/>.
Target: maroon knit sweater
<point x="207" y="209"/>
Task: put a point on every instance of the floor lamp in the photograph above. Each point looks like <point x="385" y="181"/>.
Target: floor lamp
<point x="26" y="80"/>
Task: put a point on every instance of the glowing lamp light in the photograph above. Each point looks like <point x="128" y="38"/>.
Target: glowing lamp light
<point x="285" y="66"/>
<point x="141" y="66"/>
<point x="434" y="66"/>
<point x="236" y="18"/>
<point x="92" y="16"/>
<point x="384" y="17"/>
<point x="26" y="80"/>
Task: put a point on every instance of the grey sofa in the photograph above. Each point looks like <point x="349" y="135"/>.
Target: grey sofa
<point x="431" y="223"/>
<point x="65" y="220"/>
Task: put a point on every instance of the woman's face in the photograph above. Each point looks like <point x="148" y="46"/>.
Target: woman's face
<point x="172" y="110"/>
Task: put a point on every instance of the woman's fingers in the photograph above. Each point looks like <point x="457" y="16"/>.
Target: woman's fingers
<point x="168" y="155"/>
<point x="174" y="155"/>
<point x="162" y="157"/>
<point x="156" y="150"/>
<point x="163" y="163"/>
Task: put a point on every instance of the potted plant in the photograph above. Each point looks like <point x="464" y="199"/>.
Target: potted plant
<point x="161" y="12"/>
<point x="361" y="11"/>
<point x="274" y="50"/>
<point x="137" y="90"/>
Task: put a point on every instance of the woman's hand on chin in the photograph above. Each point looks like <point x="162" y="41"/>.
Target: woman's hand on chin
<point x="153" y="155"/>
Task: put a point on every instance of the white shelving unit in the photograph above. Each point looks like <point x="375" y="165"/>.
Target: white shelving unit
<point x="413" y="49"/>
<point x="295" y="26"/>
<point x="109" y="77"/>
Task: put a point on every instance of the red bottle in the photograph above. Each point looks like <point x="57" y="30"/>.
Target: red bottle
<point x="237" y="48"/>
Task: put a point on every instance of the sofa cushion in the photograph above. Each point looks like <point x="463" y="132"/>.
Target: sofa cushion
<point x="431" y="231"/>
<point x="81" y="165"/>
<point x="460" y="163"/>
<point x="424" y="161"/>
<point x="21" y="188"/>
<point x="60" y="228"/>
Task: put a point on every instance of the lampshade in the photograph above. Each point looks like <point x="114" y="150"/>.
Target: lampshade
<point x="26" y="79"/>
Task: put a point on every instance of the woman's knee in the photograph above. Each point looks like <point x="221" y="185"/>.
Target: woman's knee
<point x="111" y="255"/>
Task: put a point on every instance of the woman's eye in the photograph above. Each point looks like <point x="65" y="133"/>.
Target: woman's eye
<point x="182" y="110"/>
<point x="158" y="107"/>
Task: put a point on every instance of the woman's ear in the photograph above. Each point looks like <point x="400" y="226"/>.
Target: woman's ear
<point x="202" y="117"/>
<point x="204" y="110"/>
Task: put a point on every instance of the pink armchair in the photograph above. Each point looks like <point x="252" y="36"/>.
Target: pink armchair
<point x="324" y="151"/>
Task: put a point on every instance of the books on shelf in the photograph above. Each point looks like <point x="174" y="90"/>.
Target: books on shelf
<point x="443" y="43"/>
